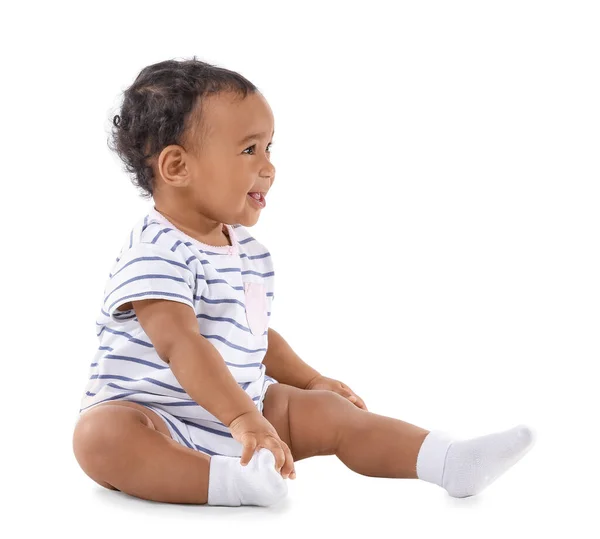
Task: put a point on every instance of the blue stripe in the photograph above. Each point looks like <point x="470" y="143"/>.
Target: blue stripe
<point x="152" y="293"/>
<point x="243" y="385"/>
<point x="226" y="300"/>
<point x="192" y="403"/>
<point x="177" y="244"/>
<point x="206" y="429"/>
<point x="264" y="255"/>
<point x="145" y="276"/>
<point x="116" y="397"/>
<point x="148" y="223"/>
<point x="250" y="272"/>
<point x="116" y="386"/>
<point x="227" y="270"/>
<point x="160" y="233"/>
<point x="213" y="281"/>
<point x="181" y="403"/>
<point x="205" y="450"/>
<point x="140" y="258"/>
<point x="122" y="318"/>
<point x="136" y="360"/>
<point x="231" y="345"/>
<point x="223" y="319"/>
<point x="174" y="427"/>
<point x="127" y="379"/>
<point x="129" y="337"/>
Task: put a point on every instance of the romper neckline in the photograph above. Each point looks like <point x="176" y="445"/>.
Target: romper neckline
<point x="232" y="249"/>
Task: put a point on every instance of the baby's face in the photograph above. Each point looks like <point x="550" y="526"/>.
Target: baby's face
<point x="234" y="158"/>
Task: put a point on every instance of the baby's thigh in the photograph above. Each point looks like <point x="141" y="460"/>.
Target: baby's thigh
<point x="154" y="419"/>
<point x="91" y="422"/>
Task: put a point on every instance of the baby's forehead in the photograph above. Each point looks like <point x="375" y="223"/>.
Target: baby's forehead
<point x="238" y="133"/>
<point x="226" y="132"/>
<point x="237" y="119"/>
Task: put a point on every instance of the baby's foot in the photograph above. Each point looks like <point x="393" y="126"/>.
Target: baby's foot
<point x="466" y="467"/>
<point x="257" y="483"/>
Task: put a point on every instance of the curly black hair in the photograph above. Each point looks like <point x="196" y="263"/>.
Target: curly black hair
<point x="156" y="112"/>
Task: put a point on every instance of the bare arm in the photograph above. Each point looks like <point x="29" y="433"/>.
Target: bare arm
<point x="195" y="362"/>
<point x="202" y="372"/>
<point x="283" y="364"/>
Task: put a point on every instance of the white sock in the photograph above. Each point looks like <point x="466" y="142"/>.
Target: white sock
<point x="257" y="483"/>
<point x="465" y="467"/>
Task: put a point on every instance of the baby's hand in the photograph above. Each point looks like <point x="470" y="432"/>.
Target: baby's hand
<point x="254" y="431"/>
<point x="329" y="384"/>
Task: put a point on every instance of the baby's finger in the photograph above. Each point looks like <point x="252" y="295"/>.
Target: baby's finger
<point x="346" y="392"/>
<point x="357" y="401"/>
<point x="277" y="451"/>
<point x="247" y="452"/>
<point x="288" y="468"/>
<point x="361" y="404"/>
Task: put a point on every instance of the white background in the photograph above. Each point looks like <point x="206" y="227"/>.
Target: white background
<point x="440" y="162"/>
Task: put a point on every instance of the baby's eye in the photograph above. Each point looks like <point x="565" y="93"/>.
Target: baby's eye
<point x="254" y="146"/>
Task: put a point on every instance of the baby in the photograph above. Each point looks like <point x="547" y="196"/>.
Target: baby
<point x="208" y="405"/>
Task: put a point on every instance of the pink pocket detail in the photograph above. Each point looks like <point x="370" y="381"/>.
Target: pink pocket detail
<point x="256" y="307"/>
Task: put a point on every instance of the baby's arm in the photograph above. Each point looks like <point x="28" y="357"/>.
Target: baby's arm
<point x="283" y="364"/>
<point x="200" y="369"/>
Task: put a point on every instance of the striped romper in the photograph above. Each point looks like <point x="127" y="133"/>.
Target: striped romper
<point x="230" y="289"/>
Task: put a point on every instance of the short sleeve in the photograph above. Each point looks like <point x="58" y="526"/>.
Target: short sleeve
<point x="148" y="271"/>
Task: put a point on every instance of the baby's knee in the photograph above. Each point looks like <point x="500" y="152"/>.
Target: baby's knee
<point x="332" y="403"/>
<point x="318" y="420"/>
<point x="92" y="437"/>
<point x="101" y="428"/>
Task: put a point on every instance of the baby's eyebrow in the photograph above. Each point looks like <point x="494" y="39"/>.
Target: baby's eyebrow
<point x="255" y="135"/>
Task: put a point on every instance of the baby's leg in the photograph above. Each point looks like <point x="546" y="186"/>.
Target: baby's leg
<point x="324" y="423"/>
<point x="119" y="446"/>
<point x="319" y="422"/>
<point x="127" y="446"/>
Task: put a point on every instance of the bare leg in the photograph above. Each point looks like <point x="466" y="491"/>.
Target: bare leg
<point x="319" y="422"/>
<point x="378" y="446"/>
<point x="120" y="446"/>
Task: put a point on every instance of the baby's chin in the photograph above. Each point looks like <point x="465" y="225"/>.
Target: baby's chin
<point x="248" y="222"/>
<point x="248" y="219"/>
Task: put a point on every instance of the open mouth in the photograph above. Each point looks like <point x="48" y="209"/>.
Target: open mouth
<point x="258" y="199"/>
